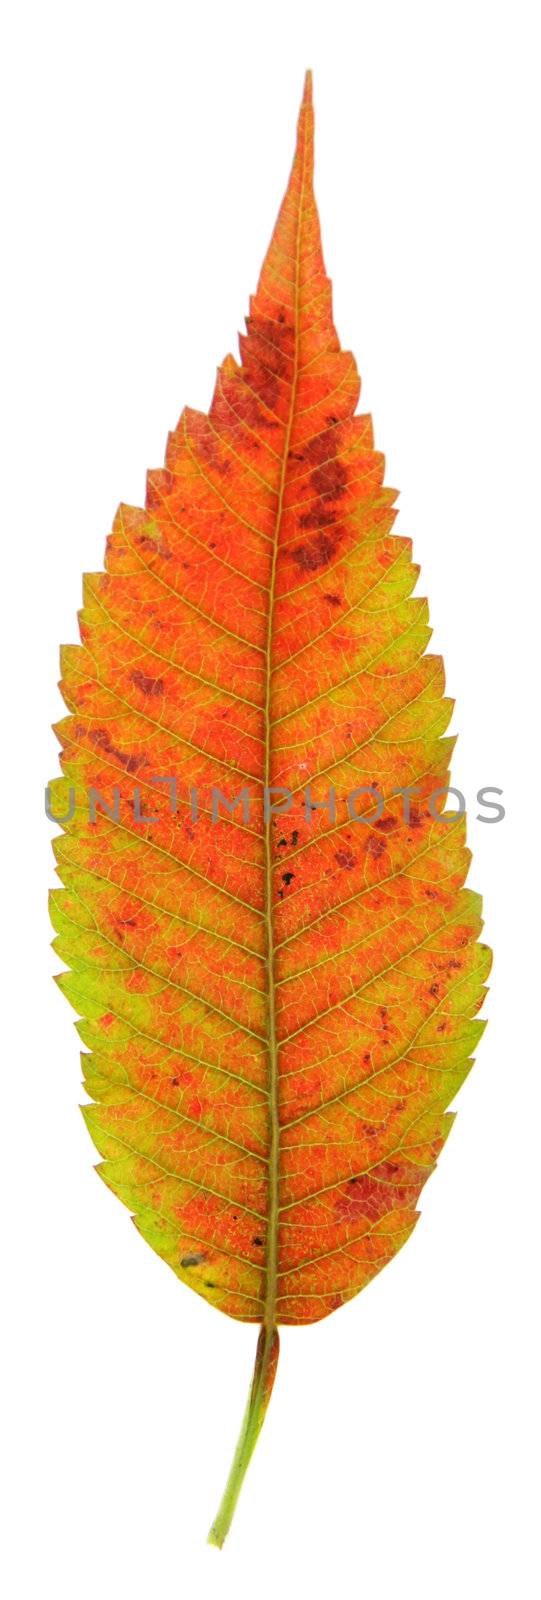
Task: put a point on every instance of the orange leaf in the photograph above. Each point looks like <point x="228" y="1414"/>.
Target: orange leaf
<point x="278" y="994"/>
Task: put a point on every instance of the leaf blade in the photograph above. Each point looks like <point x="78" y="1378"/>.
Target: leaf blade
<point x="280" y="1011"/>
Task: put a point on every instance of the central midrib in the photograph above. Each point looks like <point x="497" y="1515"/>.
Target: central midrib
<point x="271" y="1265"/>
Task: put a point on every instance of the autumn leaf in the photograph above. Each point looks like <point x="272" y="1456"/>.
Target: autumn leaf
<point x="277" y="972"/>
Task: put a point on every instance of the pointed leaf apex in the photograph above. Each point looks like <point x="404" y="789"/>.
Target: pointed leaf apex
<point x="305" y="126"/>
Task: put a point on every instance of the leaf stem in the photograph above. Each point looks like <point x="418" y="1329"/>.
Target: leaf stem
<point x="266" y="1361"/>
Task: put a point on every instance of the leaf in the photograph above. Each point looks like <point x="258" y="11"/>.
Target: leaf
<point x="276" y="1012"/>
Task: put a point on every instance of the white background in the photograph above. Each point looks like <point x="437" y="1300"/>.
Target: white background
<point x="147" y="147"/>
